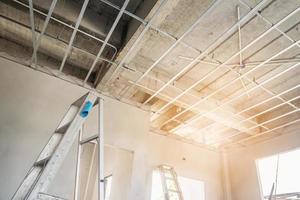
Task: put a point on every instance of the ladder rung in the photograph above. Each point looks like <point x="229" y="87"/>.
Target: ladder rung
<point x="63" y="129"/>
<point x="42" y="162"/>
<point x="43" y="196"/>
<point x="49" y="149"/>
<point x="175" y="191"/>
<point x="167" y="177"/>
<point x="68" y="118"/>
<point x="79" y="101"/>
<point x="89" y="139"/>
<point x="170" y="184"/>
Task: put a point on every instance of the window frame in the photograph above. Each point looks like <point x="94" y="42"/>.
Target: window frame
<point x="258" y="172"/>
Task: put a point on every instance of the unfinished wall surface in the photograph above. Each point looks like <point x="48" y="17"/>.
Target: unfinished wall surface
<point x="32" y="104"/>
<point x="242" y="167"/>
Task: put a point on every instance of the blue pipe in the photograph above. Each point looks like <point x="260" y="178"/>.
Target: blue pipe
<point x="86" y="109"/>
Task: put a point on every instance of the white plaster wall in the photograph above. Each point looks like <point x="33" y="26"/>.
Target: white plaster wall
<point x="31" y="106"/>
<point x="242" y="166"/>
<point x="117" y="162"/>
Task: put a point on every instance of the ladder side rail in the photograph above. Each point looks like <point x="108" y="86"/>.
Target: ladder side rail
<point x="101" y="183"/>
<point x="43" y="196"/>
<point x="78" y="160"/>
<point x="68" y="114"/>
<point x="34" y="172"/>
<point x="68" y="117"/>
<point x="27" y="184"/>
<point x="49" y="148"/>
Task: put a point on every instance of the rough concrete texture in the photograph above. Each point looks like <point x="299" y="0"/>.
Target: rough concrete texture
<point x="175" y="18"/>
<point x="181" y="15"/>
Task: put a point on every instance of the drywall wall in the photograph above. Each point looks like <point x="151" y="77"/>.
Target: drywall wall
<point x="32" y="104"/>
<point x="242" y="166"/>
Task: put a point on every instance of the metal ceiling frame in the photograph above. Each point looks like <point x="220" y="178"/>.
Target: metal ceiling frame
<point x="191" y="94"/>
<point x="136" y="18"/>
<point x="180" y="102"/>
<point x="273" y="97"/>
<point x="48" y="17"/>
<point x="93" y="37"/>
<point x="137" y="41"/>
<point x="70" y="44"/>
<point x="255" y="105"/>
<point x="151" y="27"/>
<point x="148" y="25"/>
<point x="170" y="49"/>
<point x="265" y="132"/>
<point x="206" y="52"/>
<point x="179" y="40"/>
<point x="233" y="56"/>
<point x="247" y="64"/>
<point x="63" y="23"/>
<point x="202" y="55"/>
<point x="36" y="46"/>
<point x="106" y="39"/>
<point x="264" y="122"/>
<point x="197" y="117"/>
<point x="247" y="92"/>
<point x="269" y="23"/>
<point x="270" y="92"/>
<point x="32" y="25"/>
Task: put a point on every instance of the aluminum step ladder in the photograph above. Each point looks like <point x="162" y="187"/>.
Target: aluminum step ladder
<point x="36" y="183"/>
<point x="170" y="184"/>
